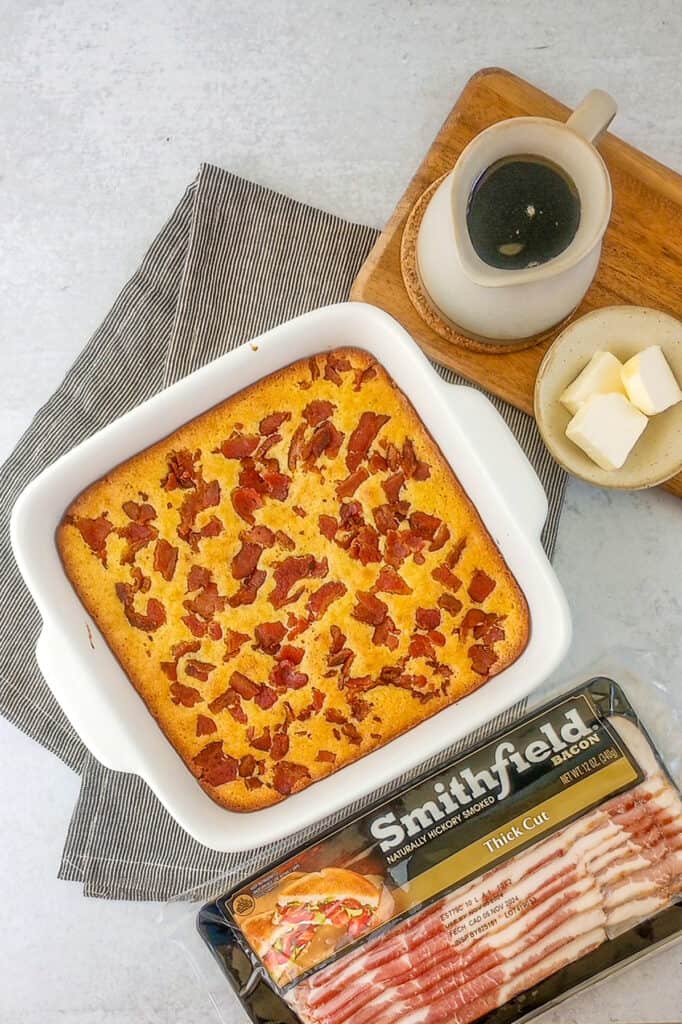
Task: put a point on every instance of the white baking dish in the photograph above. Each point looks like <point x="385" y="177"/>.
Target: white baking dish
<point x="92" y="688"/>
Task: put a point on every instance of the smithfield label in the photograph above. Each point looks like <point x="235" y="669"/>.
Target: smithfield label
<point x="536" y="777"/>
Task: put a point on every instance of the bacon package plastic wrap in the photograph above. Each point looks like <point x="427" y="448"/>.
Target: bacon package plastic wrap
<point x="529" y="866"/>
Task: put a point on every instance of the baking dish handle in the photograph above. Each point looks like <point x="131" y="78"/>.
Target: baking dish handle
<point x="83" y="705"/>
<point x="510" y="471"/>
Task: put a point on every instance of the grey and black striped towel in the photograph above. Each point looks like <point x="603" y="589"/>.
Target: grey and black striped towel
<point x="235" y="259"/>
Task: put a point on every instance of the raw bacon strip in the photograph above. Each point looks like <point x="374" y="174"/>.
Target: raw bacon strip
<point x="554" y="869"/>
<point x="594" y="840"/>
<point x="363" y="436"/>
<point x="529" y="870"/>
<point x="482" y="976"/>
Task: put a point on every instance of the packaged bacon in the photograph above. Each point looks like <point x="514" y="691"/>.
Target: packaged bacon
<point x="531" y="865"/>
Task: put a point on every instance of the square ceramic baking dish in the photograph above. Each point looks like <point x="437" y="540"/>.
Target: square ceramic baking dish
<point x="92" y="688"/>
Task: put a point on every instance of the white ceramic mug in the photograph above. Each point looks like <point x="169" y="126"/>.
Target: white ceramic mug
<point x="505" y="306"/>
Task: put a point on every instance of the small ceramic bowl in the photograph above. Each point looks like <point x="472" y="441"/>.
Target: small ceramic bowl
<point x="623" y="330"/>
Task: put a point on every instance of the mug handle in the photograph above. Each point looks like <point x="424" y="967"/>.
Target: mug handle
<point x="593" y="116"/>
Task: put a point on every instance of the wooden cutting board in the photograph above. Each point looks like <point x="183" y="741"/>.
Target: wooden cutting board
<point x="641" y="259"/>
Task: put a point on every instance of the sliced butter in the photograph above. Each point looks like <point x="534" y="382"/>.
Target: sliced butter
<point x="601" y="376"/>
<point x="607" y="427"/>
<point x="649" y="382"/>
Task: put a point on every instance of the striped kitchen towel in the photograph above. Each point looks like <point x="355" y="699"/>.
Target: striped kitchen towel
<point x="234" y="260"/>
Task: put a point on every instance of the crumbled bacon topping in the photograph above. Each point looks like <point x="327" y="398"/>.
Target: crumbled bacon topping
<point x="239" y="446"/>
<point x="363" y="436"/>
<point x="288" y="776"/>
<point x="148" y="621"/>
<point x="245" y="501"/>
<point x="291" y="571"/>
<point x="205" y="726"/>
<point x="323" y="597"/>
<point x="427" y="618"/>
<point x="245" y="560"/>
<point x="248" y="589"/>
<point x="270" y="424"/>
<point x="480" y="587"/>
<point x="317" y="411"/>
<point x="389" y="581"/>
<point x="94" y="532"/>
<point x="234" y="641"/>
<point x="181" y="471"/>
<point x="445" y="576"/>
<point x="482" y="659"/>
<point x="200" y="670"/>
<point x="285" y="541"/>
<point x="165" y="558"/>
<point x="215" y="767"/>
<point x="347" y="488"/>
<point x="369" y="609"/>
<point x="450" y="604"/>
<point x="269" y="636"/>
<point x="187" y="696"/>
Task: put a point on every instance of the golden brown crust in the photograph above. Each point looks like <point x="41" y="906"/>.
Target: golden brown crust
<point x="154" y="551"/>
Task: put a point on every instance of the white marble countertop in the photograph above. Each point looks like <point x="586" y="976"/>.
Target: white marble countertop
<point x="105" y="113"/>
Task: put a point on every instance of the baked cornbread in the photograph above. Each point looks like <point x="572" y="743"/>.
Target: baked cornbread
<point x="293" y="578"/>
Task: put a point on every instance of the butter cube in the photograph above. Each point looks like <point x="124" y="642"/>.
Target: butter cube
<point x="606" y="427"/>
<point x="649" y="382"/>
<point x="601" y="376"/>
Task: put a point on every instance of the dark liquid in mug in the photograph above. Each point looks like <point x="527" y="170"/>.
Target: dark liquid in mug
<point x="522" y="211"/>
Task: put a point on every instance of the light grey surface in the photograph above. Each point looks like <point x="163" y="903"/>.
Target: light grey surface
<point x="105" y="113"/>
